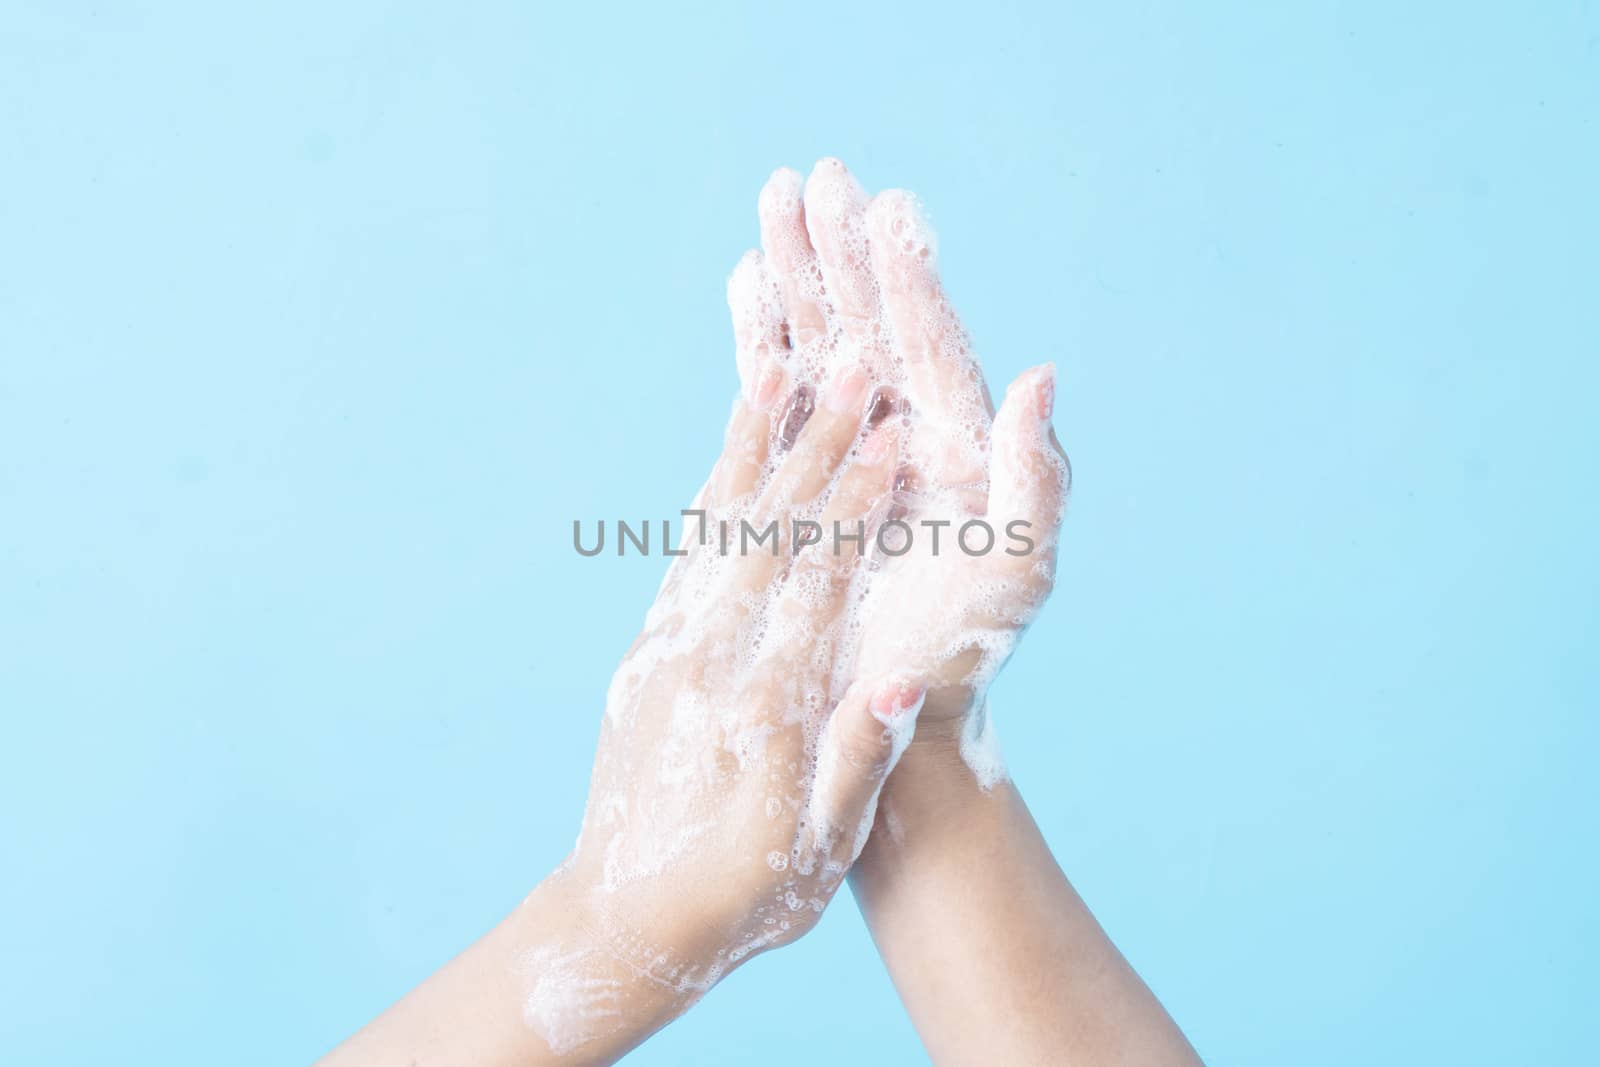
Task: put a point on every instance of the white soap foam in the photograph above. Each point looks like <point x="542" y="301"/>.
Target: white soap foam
<point x="567" y="1004"/>
<point x="980" y="748"/>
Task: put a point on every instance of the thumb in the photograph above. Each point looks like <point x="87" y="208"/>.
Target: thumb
<point x="1029" y="479"/>
<point x="862" y="742"/>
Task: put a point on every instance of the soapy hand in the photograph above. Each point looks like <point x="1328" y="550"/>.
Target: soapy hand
<point x="846" y="281"/>
<point x="737" y="772"/>
<point x="739" y="763"/>
<point x="871" y="535"/>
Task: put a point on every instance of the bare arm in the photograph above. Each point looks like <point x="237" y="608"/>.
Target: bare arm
<point x="995" y="956"/>
<point x="474" y="1010"/>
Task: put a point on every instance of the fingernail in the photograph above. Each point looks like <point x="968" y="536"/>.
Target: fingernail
<point x="767" y="386"/>
<point x="897" y="703"/>
<point x="801" y="405"/>
<point x="1047" y="390"/>
<point x="848" y="387"/>
<point x="885" y="402"/>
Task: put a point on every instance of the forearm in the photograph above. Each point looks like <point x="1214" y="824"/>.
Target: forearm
<point x="997" y="958"/>
<point x="550" y="984"/>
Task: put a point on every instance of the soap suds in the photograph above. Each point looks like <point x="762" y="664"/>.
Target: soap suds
<point x="980" y="748"/>
<point x="566" y="1005"/>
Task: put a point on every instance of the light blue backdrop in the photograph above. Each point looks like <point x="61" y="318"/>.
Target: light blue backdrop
<point x="320" y="322"/>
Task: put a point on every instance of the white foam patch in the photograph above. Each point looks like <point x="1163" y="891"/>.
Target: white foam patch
<point x="567" y="1005"/>
<point x="980" y="749"/>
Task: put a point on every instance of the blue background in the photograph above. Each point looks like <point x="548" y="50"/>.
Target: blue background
<point x="319" y="325"/>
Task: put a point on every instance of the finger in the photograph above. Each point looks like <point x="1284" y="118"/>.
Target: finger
<point x="860" y="745"/>
<point x="819" y="446"/>
<point x="1029" y="480"/>
<point x="745" y="446"/>
<point x="737" y="474"/>
<point x="810" y="605"/>
<point x="866" y="482"/>
<point x="756" y="307"/>
<point x="821" y="576"/>
<point x="791" y="258"/>
<point x="943" y="381"/>
<point x="749" y="534"/>
<point x="836" y="220"/>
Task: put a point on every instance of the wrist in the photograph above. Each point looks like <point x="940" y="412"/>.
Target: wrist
<point x="601" y="971"/>
<point x="934" y="811"/>
<point x="936" y="775"/>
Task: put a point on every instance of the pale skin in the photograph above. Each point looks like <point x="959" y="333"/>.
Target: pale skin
<point x="790" y="718"/>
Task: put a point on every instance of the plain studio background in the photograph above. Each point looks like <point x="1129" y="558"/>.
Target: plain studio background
<point x="320" y="325"/>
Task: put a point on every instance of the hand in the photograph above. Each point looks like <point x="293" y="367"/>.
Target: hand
<point x="738" y="769"/>
<point x="847" y="282"/>
<point x="750" y="728"/>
